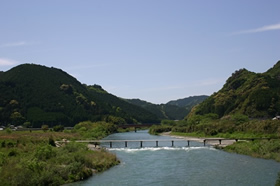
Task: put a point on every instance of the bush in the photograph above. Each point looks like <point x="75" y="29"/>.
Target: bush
<point x="45" y="152"/>
<point x="95" y="130"/>
<point x="156" y="129"/>
<point x="8" y="130"/>
<point x="3" y="159"/>
<point x="58" y="128"/>
<point x="240" y="118"/>
<point x="45" y="128"/>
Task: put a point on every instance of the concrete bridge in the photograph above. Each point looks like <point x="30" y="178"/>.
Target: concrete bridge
<point x="209" y="141"/>
<point x="141" y="142"/>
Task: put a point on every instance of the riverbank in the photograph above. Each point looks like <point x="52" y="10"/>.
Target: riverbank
<point x="267" y="149"/>
<point x="32" y="158"/>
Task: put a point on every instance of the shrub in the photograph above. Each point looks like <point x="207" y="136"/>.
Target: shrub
<point x="45" y="128"/>
<point x="3" y="159"/>
<point x="156" y="129"/>
<point x="240" y="118"/>
<point x="58" y="128"/>
<point x="45" y="152"/>
<point x="8" y="130"/>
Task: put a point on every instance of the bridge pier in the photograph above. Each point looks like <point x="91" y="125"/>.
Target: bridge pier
<point x="188" y="143"/>
<point x="156" y="143"/>
<point x="125" y="144"/>
<point x="172" y="143"/>
<point x="141" y="144"/>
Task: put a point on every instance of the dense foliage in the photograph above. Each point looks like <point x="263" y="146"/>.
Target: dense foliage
<point x="31" y="158"/>
<point x="42" y="95"/>
<point x="258" y="148"/>
<point x="95" y="130"/>
<point x="256" y="95"/>
<point x="173" y="110"/>
<point x="157" y="129"/>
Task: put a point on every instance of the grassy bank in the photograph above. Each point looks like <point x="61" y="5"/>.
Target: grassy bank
<point x="236" y="126"/>
<point x="30" y="158"/>
<point x="258" y="148"/>
<point x="268" y="149"/>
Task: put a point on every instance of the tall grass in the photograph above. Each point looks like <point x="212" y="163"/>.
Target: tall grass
<point x="31" y="159"/>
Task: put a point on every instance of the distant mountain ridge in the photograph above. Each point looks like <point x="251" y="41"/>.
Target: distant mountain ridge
<point x="256" y="95"/>
<point x="173" y="110"/>
<point x="188" y="102"/>
<point x="43" y="95"/>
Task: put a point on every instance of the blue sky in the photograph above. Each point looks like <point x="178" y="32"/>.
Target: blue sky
<point x="155" y="50"/>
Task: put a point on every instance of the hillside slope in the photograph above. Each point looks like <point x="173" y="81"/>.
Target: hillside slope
<point x="173" y="110"/>
<point x="188" y="102"/>
<point x="256" y="95"/>
<point x="43" y="95"/>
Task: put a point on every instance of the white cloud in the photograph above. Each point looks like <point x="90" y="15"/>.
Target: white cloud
<point x="15" y="44"/>
<point x="7" y="62"/>
<point x="261" y="29"/>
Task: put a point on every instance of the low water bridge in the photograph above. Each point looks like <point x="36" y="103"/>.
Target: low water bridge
<point x="156" y="142"/>
<point x="210" y="141"/>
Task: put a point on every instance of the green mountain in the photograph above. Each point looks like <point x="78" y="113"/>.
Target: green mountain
<point x="43" y="95"/>
<point x="256" y="95"/>
<point x="173" y="110"/>
<point x="188" y="102"/>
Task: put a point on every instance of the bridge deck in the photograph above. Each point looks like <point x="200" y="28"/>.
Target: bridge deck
<point x="210" y="141"/>
<point x="145" y="140"/>
<point x="179" y="139"/>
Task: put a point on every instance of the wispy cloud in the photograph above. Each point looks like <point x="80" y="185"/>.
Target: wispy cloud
<point x="7" y="62"/>
<point x="260" y="29"/>
<point x="14" y="44"/>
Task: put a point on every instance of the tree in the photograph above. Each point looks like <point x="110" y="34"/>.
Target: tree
<point x="58" y="128"/>
<point x="17" y="118"/>
<point x="45" y="128"/>
<point x="27" y="124"/>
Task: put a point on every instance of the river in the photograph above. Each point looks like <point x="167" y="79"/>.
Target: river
<point x="181" y="165"/>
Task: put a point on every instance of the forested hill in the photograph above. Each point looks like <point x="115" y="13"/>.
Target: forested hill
<point x="174" y="110"/>
<point x="43" y="95"/>
<point x="256" y="95"/>
<point x="188" y="102"/>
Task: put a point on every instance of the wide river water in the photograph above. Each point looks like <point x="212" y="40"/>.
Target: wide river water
<point x="180" y="165"/>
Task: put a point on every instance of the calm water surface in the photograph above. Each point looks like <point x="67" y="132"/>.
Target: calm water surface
<point x="181" y="165"/>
